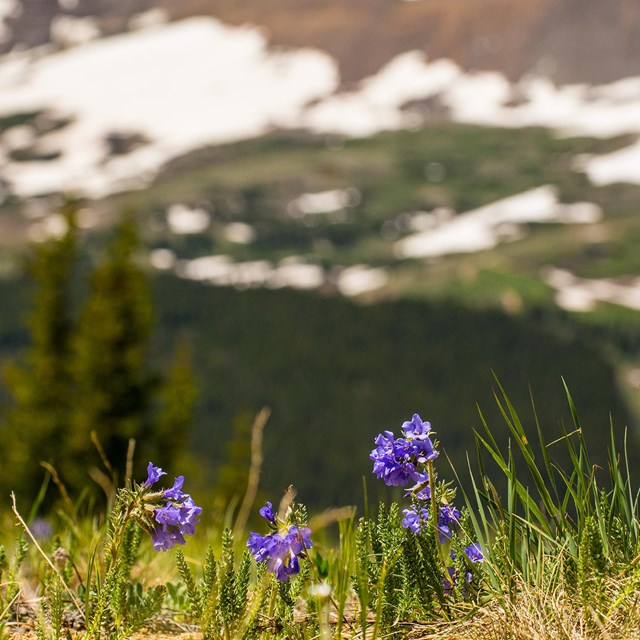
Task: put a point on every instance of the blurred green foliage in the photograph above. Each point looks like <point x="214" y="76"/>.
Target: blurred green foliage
<point x="85" y="388"/>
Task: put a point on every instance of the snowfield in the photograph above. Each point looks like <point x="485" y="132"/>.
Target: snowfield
<point x="184" y="85"/>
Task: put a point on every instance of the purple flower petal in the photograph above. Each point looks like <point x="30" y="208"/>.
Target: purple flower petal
<point x="153" y="474"/>
<point x="267" y="513"/>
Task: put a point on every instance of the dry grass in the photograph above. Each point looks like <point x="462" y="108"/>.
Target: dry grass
<point x="533" y="615"/>
<point x="536" y="615"/>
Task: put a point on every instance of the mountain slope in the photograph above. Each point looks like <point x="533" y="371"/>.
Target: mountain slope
<point x="568" y="40"/>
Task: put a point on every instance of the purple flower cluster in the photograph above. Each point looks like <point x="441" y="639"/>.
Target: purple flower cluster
<point x="175" y="516"/>
<point x="415" y="520"/>
<point x="475" y="555"/>
<point x="281" y="548"/>
<point x="396" y="460"/>
<point x="408" y="459"/>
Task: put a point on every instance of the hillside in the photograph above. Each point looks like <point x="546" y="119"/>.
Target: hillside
<point x="322" y="187"/>
<point x="569" y="40"/>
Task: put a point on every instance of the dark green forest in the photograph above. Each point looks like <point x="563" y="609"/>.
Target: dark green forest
<point x="334" y="374"/>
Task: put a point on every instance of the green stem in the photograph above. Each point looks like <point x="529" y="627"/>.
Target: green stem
<point x="434" y="520"/>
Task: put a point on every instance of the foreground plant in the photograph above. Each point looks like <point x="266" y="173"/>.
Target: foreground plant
<point x="410" y="459"/>
<point x="281" y="549"/>
<point x="167" y="515"/>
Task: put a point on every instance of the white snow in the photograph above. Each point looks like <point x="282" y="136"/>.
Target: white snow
<point x="583" y="294"/>
<point x="53" y="226"/>
<point x="633" y="377"/>
<point x="151" y="18"/>
<point x="298" y="275"/>
<point x="185" y="220"/>
<point x="188" y="84"/>
<point x="376" y="105"/>
<point x="619" y="166"/>
<point x="222" y="270"/>
<point x="240" y="233"/>
<point x="69" y="31"/>
<point x="360" y="278"/>
<point x="162" y="259"/>
<point x="324" y="202"/>
<point x="485" y="227"/>
<point x="19" y="137"/>
<point x="182" y="86"/>
<point x="8" y="9"/>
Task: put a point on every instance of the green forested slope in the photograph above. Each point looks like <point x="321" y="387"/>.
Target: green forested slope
<point x="335" y="374"/>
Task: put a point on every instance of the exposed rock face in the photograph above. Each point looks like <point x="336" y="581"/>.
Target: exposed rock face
<point x="568" y="40"/>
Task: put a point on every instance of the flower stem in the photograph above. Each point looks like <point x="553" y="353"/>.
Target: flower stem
<point x="434" y="520"/>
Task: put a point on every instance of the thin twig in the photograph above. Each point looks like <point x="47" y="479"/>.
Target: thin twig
<point x="254" y="470"/>
<point x="61" y="488"/>
<point x="45" y="556"/>
<point x="101" y="452"/>
<point x="128" y="474"/>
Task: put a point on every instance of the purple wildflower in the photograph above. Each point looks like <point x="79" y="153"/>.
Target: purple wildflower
<point x="396" y="460"/>
<point x="175" y="493"/>
<point x="421" y="490"/>
<point x="175" y="520"/>
<point x="392" y="460"/>
<point x="175" y="514"/>
<point x="153" y="474"/>
<point x="474" y="552"/>
<point x="416" y="427"/>
<point x="413" y="520"/>
<point x="417" y="433"/>
<point x="449" y="583"/>
<point x="41" y="529"/>
<point x="258" y="546"/>
<point x="447" y="517"/>
<point x="281" y="549"/>
<point x="267" y="513"/>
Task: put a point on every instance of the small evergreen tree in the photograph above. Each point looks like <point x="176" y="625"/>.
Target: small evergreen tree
<point x="110" y="352"/>
<point x="176" y="398"/>
<point x="41" y="385"/>
<point x="92" y="374"/>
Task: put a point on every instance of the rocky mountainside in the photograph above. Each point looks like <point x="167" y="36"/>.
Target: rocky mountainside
<point x="568" y="40"/>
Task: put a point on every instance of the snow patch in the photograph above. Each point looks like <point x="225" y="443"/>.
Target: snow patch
<point x="619" y="166"/>
<point x="162" y="259"/>
<point x="323" y="202"/>
<point x="360" y="278"/>
<point x="583" y="294"/>
<point x="221" y="270"/>
<point x="186" y="85"/>
<point x="8" y="9"/>
<point x="197" y="82"/>
<point x="70" y="31"/>
<point x="376" y="106"/>
<point x="240" y="233"/>
<point x="53" y="226"/>
<point x="487" y="226"/>
<point x="184" y="220"/>
<point x="151" y="18"/>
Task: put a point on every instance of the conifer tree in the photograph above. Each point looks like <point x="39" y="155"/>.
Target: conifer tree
<point x="110" y="352"/>
<point x="176" y="398"/>
<point x="37" y="425"/>
<point x="91" y="374"/>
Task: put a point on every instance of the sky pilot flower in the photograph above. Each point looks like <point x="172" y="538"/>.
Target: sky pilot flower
<point x="282" y="548"/>
<point x="175" y="514"/>
<point x="410" y="459"/>
<point x="396" y="461"/>
<point x="153" y="474"/>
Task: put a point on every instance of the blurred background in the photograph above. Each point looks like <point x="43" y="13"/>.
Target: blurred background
<point x="346" y="212"/>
